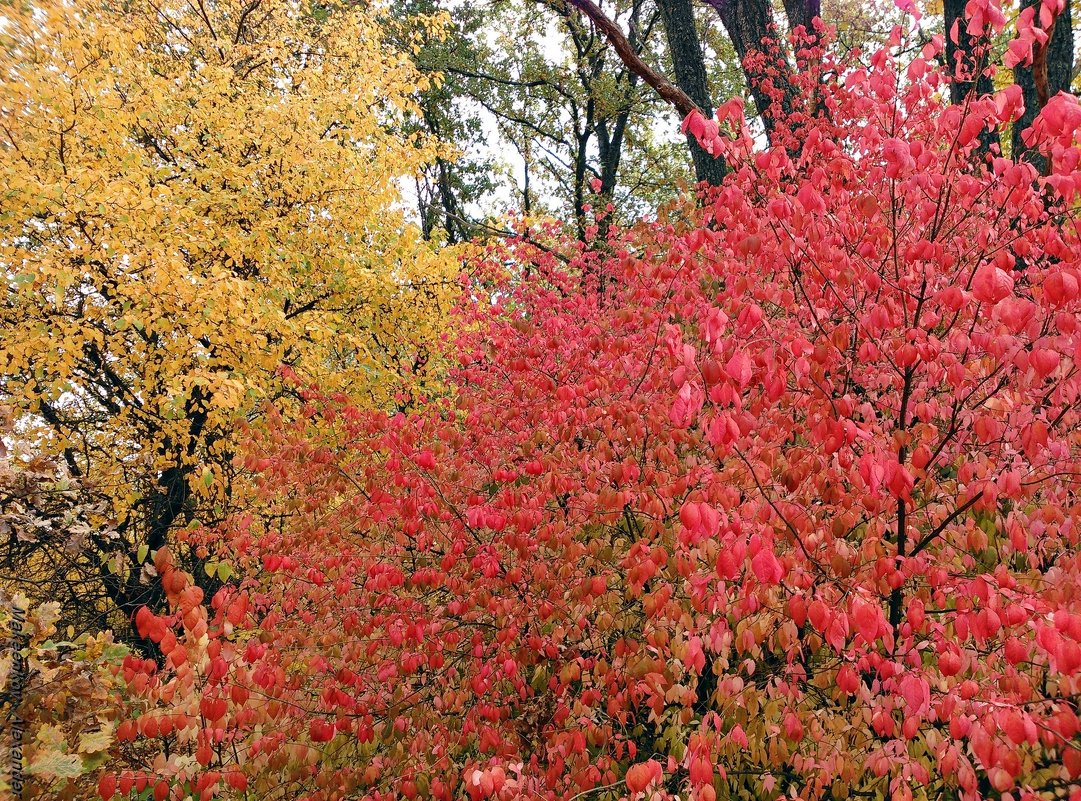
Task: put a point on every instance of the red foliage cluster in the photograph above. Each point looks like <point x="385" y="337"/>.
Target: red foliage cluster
<point x="779" y="499"/>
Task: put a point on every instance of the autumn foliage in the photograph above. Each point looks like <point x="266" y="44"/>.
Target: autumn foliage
<point x="773" y="496"/>
<point x="193" y="196"/>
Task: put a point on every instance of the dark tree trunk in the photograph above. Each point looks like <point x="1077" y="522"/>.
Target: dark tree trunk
<point x="610" y="152"/>
<point x="581" y="167"/>
<point x="1050" y="73"/>
<point x="690" y="68"/>
<point x="803" y="12"/>
<point x="611" y="132"/>
<point x="967" y="66"/>
<point x="669" y="91"/>
<point x="454" y="220"/>
<point x="166" y="503"/>
<point x="967" y="61"/>
<point x="750" y="26"/>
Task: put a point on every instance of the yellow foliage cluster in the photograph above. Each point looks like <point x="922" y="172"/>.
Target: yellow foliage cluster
<point x="193" y="194"/>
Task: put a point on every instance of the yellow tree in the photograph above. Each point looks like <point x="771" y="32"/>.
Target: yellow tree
<point x="194" y="194"/>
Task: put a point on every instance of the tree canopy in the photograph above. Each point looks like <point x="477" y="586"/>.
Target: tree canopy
<point x="325" y="479"/>
<point x="194" y="198"/>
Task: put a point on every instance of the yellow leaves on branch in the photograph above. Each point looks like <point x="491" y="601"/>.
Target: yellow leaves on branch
<point x="193" y="195"/>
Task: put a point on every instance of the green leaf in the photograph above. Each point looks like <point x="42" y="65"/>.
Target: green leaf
<point x="115" y="652"/>
<point x="51" y="645"/>
<point x="94" y="761"/>
<point x="144" y="549"/>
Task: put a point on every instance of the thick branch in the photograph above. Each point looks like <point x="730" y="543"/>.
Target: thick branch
<point x="615" y="36"/>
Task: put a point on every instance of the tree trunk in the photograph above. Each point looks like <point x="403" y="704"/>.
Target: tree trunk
<point x="967" y="60"/>
<point x="690" y="68"/>
<point x="1050" y="73"/>
<point x="967" y="66"/>
<point x="803" y="12"/>
<point x="750" y="26"/>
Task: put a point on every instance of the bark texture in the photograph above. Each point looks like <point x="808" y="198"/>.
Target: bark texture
<point x="688" y="61"/>
<point x="750" y="26"/>
<point x="1051" y="72"/>
<point x="967" y="61"/>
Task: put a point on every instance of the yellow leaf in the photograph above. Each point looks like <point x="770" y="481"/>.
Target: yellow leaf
<point x="56" y="765"/>
<point x="94" y="741"/>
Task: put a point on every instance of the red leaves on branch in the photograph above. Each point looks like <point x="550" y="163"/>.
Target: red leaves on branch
<point x="786" y="489"/>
